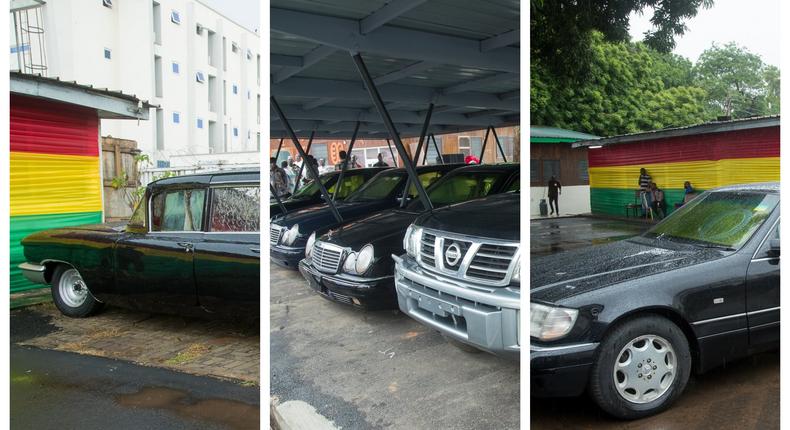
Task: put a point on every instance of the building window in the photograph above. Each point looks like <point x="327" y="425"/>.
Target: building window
<point x="199" y="29"/>
<point x="550" y="168"/>
<point x="234" y="47"/>
<point x="534" y="170"/>
<point x="235" y="132"/>
<point x="107" y="53"/>
<point x="235" y="89"/>
<point x="175" y="17"/>
<point x="176" y="118"/>
<point x="200" y="123"/>
<point x="507" y="146"/>
<point x="176" y="68"/>
<point x="248" y="94"/>
<point x="162" y="164"/>
<point x="470" y="145"/>
<point x="249" y="54"/>
<point x="107" y="3"/>
<point x="200" y="77"/>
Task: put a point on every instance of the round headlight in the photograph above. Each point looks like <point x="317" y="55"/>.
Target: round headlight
<point x="364" y="259"/>
<point x="309" y="248"/>
<point x="290" y="236"/>
<point x="351" y="262"/>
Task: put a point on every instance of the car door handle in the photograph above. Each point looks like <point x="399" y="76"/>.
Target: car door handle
<point x="188" y="247"/>
<point x="256" y="250"/>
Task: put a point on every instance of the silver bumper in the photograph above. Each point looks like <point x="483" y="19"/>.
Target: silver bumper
<point x="486" y="320"/>
<point x="33" y="272"/>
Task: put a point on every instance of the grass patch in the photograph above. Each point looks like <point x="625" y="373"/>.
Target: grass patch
<point x="192" y="352"/>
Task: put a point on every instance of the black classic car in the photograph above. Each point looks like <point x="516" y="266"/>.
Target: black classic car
<point x="352" y="264"/>
<point x="289" y="233"/>
<point x="310" y="194"/>
<point x="191" y="247"/>
<point x="460" y="274"/>
<point x="631" y="320"/>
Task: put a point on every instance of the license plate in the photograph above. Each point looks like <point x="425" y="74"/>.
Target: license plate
<point x="435" y="306"/>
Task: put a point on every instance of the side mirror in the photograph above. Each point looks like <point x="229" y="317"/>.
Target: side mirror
<point x="773" y="248"/>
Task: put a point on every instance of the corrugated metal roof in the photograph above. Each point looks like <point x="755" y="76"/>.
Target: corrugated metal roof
<point x="463" y="55"/>
<point x="704" y="128"/>
<point x="558" y="133"/>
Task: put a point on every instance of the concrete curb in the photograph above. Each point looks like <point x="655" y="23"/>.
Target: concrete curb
<point x="297" y="415"/>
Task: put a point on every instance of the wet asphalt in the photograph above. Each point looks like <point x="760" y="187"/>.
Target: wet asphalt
<point x="62" y="390"/>
<point x="742" y="395"/>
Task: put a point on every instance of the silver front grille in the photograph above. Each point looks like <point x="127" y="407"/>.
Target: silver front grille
<point x="484" y="261"/>
<point x="275" y="232"/>
<point x="326" y="258"/>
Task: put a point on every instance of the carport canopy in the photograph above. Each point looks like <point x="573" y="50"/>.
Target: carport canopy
<point x="462" y="56"/>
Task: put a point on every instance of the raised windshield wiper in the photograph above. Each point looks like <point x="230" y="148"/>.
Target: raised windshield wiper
<point x="714" y="246"/>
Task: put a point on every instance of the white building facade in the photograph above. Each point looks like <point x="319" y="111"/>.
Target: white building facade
<point x="199" y="67"/>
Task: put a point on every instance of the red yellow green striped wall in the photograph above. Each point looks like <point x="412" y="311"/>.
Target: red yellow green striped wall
<point x="55" y="178"/>
<point x="707" y="161"/>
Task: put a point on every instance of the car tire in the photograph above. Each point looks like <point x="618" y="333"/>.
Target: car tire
<point x="71" y="294"/>
<point x="462" y="346"/>
<point x="630" y="357"/>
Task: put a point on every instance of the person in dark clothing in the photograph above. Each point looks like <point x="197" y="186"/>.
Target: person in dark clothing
<point x="339" y="164"/>
<point x="659" y="204"/>
<point x="645" y="195"/>
<point x="555" y="189"/>
<point x="381" y="162"/>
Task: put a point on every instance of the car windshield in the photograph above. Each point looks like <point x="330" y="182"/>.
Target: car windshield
<point x="377" y="188"/>
<point x="459" y="188"/>
<point x="717" y="219"/>
<point x="311" y="189"/>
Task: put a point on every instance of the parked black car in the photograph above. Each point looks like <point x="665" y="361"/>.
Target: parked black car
<point x="192" y="247"/>
<point x="630" y="321"/>
<point x="460" y="274"/>
<point x="289" y="233"/>
<point x="352" y="264"/>
<point x="310" y="194"/>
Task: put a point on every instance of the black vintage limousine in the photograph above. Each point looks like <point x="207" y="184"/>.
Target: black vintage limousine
<point x="630" y="321"/>
<point x="191" y="247"/>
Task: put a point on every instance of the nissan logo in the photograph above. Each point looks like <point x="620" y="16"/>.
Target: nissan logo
<point x="452" y="255"/>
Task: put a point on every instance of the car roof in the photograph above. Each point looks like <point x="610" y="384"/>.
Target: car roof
<point x="498" y="167"/>
<point x="357" y="170"/>
<point x="218" y="177"/>
<point x="764" y="187"/>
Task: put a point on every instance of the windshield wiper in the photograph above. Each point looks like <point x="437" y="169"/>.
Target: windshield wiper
<point x="714" y="246"/>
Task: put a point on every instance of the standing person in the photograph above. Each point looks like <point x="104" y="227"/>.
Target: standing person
<point x="278" y="178"/>
<point x="659" y="205"/>
<point x="339" y="164"/>
<point x="555" y="189"/>
<point x="644" y="185"/>
<point x="381" y="162"/>
<point x="308" y="173"/>
<point x="322" y="167"/>
<point x="298" y="162"/>
<point x="288" y="173"/>
<point x="354" y="163"/>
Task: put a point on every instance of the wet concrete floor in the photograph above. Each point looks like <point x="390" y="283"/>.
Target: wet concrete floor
<point x="743" y="395"/>
<point x="553" y="235"/>
<point x="63" y="390"/>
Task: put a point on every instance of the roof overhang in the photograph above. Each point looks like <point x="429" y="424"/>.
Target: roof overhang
<point x="464" y="60"/>
<point x="108" y="104"/>
<point x="706" y="128"/>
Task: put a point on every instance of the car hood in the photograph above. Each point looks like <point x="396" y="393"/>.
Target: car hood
<point x="495" y="217"/>
<point x="385" y="228"/>
<point x="315" y="216"/>
<point x="567" y="274"/>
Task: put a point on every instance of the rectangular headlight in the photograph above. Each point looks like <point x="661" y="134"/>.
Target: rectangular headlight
<point x="549" y="322"/>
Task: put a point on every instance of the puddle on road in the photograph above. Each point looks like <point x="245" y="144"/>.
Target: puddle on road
<point x="229" y="413"/>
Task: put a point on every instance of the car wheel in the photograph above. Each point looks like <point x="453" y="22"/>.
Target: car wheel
<point x="642" y="366"/>
<point x="462" y="346"/>
<point x="71" y="294"/>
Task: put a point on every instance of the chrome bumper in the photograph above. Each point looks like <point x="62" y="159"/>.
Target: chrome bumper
<point x="486" y="320"/>
<point x="33" y="272"/>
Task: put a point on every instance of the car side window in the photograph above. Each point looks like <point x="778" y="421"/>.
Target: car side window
<point x="426" y="179"/>
<point x="515" y="185"/>
<point x="765" y="249"/>
<point x="236" y="209"/>
<point x="177" y="210"/>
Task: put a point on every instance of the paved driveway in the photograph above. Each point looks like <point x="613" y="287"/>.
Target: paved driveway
<point x="366" y="370"/>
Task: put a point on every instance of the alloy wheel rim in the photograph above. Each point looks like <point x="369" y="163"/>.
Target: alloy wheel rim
<point x="645" y="369"/>
<point x="72" y="288"/>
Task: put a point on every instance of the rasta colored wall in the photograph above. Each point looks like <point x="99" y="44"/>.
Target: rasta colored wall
<point x="706" y="160"/>
<point x="55" y="179"/>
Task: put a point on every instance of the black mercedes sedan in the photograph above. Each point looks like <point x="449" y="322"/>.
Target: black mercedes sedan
<point x="630" y="321"/>
<point x="310" y="194"/>
<point x="352" y="264"/>
<point x="288" y="233"/>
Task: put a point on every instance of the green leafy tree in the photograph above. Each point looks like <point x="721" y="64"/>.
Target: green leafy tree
<point x="737" y="82"/>
<point x="630" y="88"/>
<point x="561" y="30"/>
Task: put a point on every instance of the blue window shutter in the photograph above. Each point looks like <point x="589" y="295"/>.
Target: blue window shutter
<point x="176" y="118"/>
<point x="200" y="123"/>
<point x="175" y="67"/>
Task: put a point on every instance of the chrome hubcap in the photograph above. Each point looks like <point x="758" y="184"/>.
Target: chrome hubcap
<point x="72" y="288"/>
<point x="645" y="369"/>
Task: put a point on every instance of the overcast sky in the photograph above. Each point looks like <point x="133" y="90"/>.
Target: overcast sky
<point x="244" y="12"/>
<point x="752" y="24"/>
